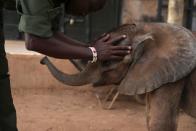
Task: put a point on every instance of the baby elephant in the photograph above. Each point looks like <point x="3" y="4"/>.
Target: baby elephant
<point x="161" y="65"/>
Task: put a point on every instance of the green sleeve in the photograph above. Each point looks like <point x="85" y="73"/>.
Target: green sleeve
<point x="37" y="17"/>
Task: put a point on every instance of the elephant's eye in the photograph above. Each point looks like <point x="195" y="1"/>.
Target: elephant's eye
<point x="109" y="65"/>
<point x="106" y="63"/>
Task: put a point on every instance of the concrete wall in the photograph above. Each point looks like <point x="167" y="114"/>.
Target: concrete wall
<point x="138" y="10"/>
<point x="27" y="72"/>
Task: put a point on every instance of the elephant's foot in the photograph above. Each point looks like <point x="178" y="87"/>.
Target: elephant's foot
<point x="104" y="104"/>
<point x="141" y="99"/>
<point x="163" y="107"/>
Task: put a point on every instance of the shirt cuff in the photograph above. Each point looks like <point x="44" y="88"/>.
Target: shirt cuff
<point x="36" y="25"/>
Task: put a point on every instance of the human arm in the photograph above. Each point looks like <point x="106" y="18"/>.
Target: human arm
<point x="58" y="48"/>
<point x="66" y="48"/>
<point x="62" y="37"/>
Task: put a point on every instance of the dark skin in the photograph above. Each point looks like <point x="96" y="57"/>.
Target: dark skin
<point x="63" y="47"/>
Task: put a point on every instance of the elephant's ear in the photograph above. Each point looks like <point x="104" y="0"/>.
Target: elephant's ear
<point x="113" y="73"/>
<point x="161" y="62"/>
<point x="137" y="47"/>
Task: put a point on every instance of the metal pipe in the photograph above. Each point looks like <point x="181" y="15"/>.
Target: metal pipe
<point x="190" y="14"/>
<point x="159" y="10"/>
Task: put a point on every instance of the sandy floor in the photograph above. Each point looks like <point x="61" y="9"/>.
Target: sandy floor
<point x="77" y="109"/>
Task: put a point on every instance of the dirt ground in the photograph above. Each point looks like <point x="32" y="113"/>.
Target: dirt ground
<point x="77" y="109"/>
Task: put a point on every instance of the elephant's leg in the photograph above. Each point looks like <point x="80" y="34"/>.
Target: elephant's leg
<point x="141" y="99"/>
<point x="163" y="107"/>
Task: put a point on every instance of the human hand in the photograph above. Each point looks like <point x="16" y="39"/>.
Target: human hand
<point x="106" y="50"/>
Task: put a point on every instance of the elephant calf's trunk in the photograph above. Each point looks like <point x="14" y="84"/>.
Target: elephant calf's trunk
<point x="85" y="77"/>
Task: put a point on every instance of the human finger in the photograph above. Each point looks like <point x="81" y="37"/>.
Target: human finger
<point x="120" y="52"/>
<point x="105" y="38"/>
<point x="116" y="39"/>
<point x="121" y="48"/>
<point x="115" y="57"/>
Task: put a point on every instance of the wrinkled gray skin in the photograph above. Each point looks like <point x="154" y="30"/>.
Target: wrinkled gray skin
<point x="162" y="66"/>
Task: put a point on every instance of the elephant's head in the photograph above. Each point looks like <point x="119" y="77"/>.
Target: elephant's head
<point x="161" y="53"/>
<point x="107" y="72"/>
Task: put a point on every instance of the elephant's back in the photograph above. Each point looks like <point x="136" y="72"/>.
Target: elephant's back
<point x="176" y="46"/>
<point x="170" y="57"/>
